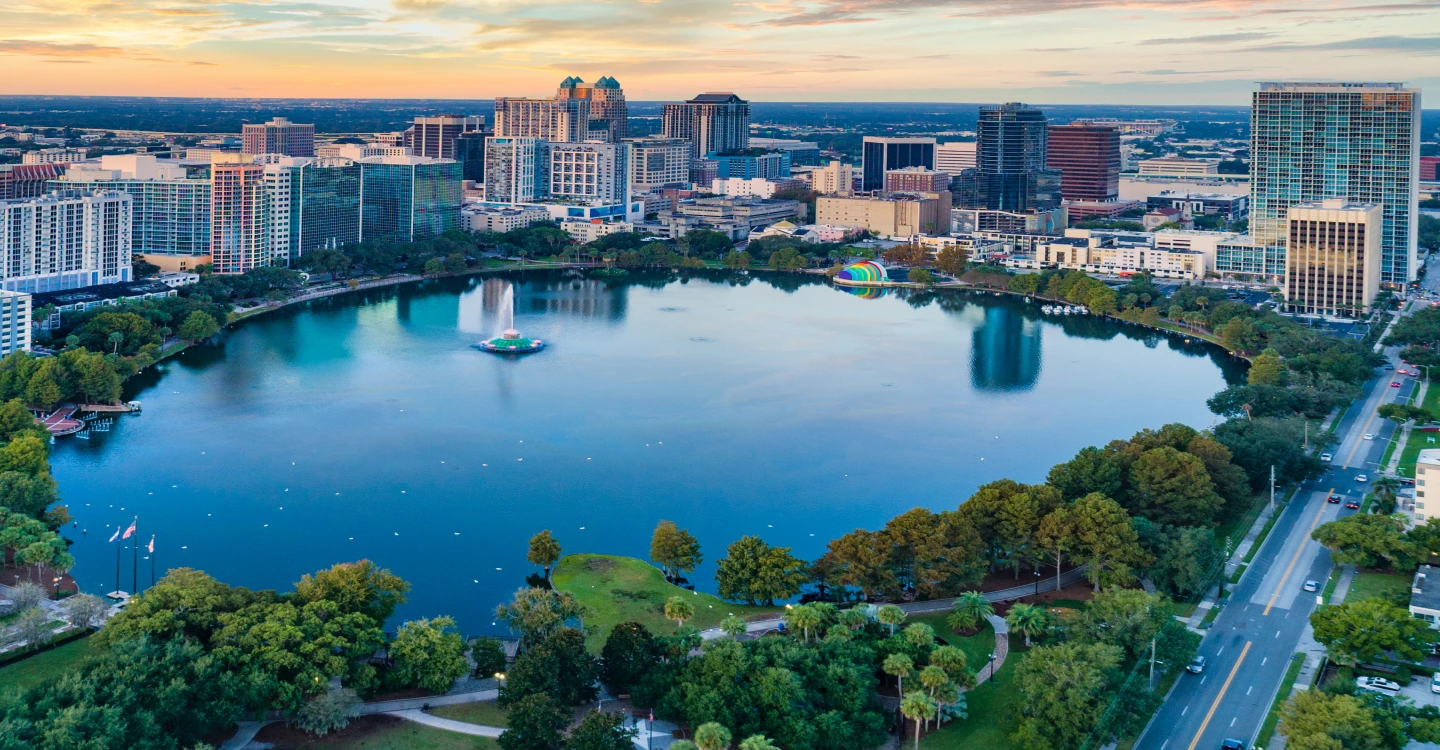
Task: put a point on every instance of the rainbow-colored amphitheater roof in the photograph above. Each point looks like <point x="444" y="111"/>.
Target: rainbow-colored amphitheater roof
<point x="865" y="270"/>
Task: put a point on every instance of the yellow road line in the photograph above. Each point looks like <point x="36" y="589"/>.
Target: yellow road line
<point x="1223" y="688"/>
<point x="1298" y="549"/>
<point x="1361" y="441"/>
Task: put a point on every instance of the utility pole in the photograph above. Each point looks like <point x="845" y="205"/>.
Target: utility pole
<point x="1272" y="486"/>
<point x="1152" y="663"/>
<point x="1307" y="434"/>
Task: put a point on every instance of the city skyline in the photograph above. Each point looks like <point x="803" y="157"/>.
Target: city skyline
<point x="1072" y="51"/>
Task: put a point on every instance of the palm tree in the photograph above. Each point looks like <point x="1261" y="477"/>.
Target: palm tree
<point x="803" y="617"/>
<point x="115" y="338"/>
<point x="1385" y="499"/>
<point x="732" y="626"/>
<point x="891" y="615"/>
<point x="712" y="736"/>
<point x="854" y="618"/>
<point x="918" y="707"/>
<point x="838" y="633"/>
<point x="829" y="613"/>
<point x="951" y="659"/>
<point x="933" y="677"/>
<point x="1029" y="620"/>
<point x="898" y="666"/>
<point x="679" y="610"/>
<point x="756" y="742"/>
<point x="920" y="635"/>
<point x="684" y="745"/>
<point x="971" y="609"/>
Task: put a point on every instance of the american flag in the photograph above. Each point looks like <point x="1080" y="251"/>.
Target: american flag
<point x="130" y="530"/>
<point x="151" y="548"/>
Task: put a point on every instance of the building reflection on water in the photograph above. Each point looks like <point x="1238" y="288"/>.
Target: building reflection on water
<point x="1005" y="350"/>
<point x="587" y="298"/>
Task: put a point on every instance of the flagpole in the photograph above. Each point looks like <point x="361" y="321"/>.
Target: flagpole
<point x="135" y="563"/>
<point x="152" y="560"/>
<point x="117" y="561"/>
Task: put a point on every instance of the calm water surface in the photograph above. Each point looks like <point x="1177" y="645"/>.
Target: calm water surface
<point x="367" y="426"/>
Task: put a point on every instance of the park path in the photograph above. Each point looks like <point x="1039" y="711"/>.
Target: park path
<point x="449" y="725"/>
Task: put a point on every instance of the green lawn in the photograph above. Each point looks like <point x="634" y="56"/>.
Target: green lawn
<point x="993" y="717"/>
<point x="408" y="736"/>
<point x="488" y="713"/>
<point x="27" y="673"/>
<point x="1367" y="585"/>
<point x="622" y="589"/>
<point x="977" y="647"/>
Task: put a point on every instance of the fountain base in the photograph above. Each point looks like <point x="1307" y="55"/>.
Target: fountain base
<point x="511" y="342"/>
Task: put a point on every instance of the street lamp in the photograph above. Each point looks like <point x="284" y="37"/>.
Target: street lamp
<point x="500" y="677"/>
<point x="1037" y="583"/>
<point x="992" y="666"/>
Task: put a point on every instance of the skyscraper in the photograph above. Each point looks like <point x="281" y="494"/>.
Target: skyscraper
<point x="564" y="120"/>
<point x="515" y="169"/>
<point x="1332" y="259"/>
<point x="659" y="162"/>
<point x="66" y="239"/>
<point x="608" y="111"/>
<point x="170" y="213"/>
<point x="1088" y="159"/>
<point x="408" y="198"/>
<point x="239" y="218"/>
<point x="278" y="136"/>
<point x="954" y="157"/>
<point x="880" y="154"/>
<point x="594" y="172"/>
<point x="470" y="152"/>
<point x="27" y="180"/>
<point x="435" y="136"/>
<point x="314" y="204"/>
<point x="1357" y="141"/>
<point x="1009" y="154"/>
<point x="712" y="122"/>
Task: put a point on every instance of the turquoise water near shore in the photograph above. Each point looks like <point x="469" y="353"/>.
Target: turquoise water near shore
<point x="368" y="425"/>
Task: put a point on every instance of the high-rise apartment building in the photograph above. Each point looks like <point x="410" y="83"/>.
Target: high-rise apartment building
<point x="833" y="179"/>
<point x="608" y="111"/>
<point x="916" y="180"/>
<point x="591" y="172"/>
<point x="408" y="198"/>
<point x="239" y="218"/>
<point x="15" y="310"/>
<point x="54" y="156"/>
<point x="434" y="136"/>
<point x="1332" y="257"/>
<point x="658" y="163"/>
<point x="1009" y="156"/>
<point x="170" y="213"/>
<point x="955" y="157"/>
<point x="314" y="205"/>
<point x="515" y="169"/>
<point x="1088" y="159"/>
<point x="747" y="164"/>
<point x="559" y="120"/>
<point x="713" y="122"/>
<point x="278" y="136"/>
<point x="880" y="154"/>
<point x="1356" y="141"/>
<point x="66" y="239"/>
<point x="27" y="180"/>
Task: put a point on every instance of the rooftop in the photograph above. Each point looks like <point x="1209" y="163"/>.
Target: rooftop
<point x="1423" y="593"/>
<point x="1430" y="456"/>
<point x="100" y="293"/>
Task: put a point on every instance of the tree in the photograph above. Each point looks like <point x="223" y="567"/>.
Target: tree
<point x="1128" y="618"/>
<point x="712" y="736"/>
<point x="733" y="626"/>
<point x="679" y="610"/>
<point x="1091" y="470"/>
<point x="326" y="712"/>
<point x="920" y="635"/>
<point x="921" y="276"/>
<point x="861" y="560"/>
<point x="31" y="628"/>
<point x="803" y="617"/>
<point x="1056" y="535"/>
<point x="558" y="665"/>
<point x="970" y="610"/>
<point x="1318" y="720"/>
<point x="198" y="326"/>
<point x="544" y="551"/>
<point x="907" y="255"/>
<point x="756" y="572"/>
<point x="601" y="731"/>
<point x="434" y="266"/>
<point x="489" y="656"/>
<point x="429" y="654"/>
<point x="918" y="707"/>
<point x="361" y="586"/>
<point x="1170" y="486"/>
<point x="737" y="259"/>
<point x="951" y="260"/>
<point x="537" y="612"/>
<point x="898" y="666"/>
<point x="84" y="610"/>
<point x="455" y="263"/>
<point x="1185" y="561"/>
<point x="1367" y="540"/>
<point x="1357" y="632"/>
<point x="757" y="742"/>
<point x="1266" y="369"/>
<point x="630" y="652"/>
<point x="675" y="549"/>
<point x="1028" y="620"/>
<point x="1106" y="540"/>
<point x="890" y="615"/>
<point x="43" y="389"/>
<point x="534" y="723"/>
<point x="1064" y="691"/>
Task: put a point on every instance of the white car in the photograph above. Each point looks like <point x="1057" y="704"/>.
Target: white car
<point x="1361" y="478"/>
<point x="1378" y="684"/>
<point x="1311" y="586"/>
<point x="1367" y="436"/>
<point x="1326" y="457"/>
<point x="1435" y="683"/>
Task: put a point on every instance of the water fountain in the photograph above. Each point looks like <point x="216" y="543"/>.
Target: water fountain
<point x="509" y="340"/>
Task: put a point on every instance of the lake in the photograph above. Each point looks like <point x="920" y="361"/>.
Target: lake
<point x="368" y="426"/>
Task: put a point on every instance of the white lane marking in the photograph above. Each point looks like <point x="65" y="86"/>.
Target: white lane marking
<point x="1232" y="721"/>
<point x="1247" y="690"/>
<point x="1203" y="679"/>
<point x="1182" y="713"/>
<point x="1218" y="653"/>
<point x="1262" y="661"/>
<point x="1277" y="634"/>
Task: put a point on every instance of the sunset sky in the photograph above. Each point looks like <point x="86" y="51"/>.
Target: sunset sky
<point x="1055" y="51"/>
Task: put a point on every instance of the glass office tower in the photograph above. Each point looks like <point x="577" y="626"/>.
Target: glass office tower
<point x="324" y="205"/>
<point x="408" y="198"/>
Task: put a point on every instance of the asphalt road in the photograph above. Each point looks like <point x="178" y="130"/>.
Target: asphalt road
<point x="1250" y="643"/>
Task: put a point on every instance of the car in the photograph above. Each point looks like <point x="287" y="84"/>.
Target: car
<point x="1196" y="665"/>
<point x="1334" y="499"/>
<point x="1352" y="505"/>
<point x="1389" y="366"/>
<point x="1368" y="436"/>
<point x="1327" y="457"/>
<point x="1361" y="478"/>
<point x="1435" y="683"/>
<point x="1311" y="585"/>
<point x="1378" y="685"/>
<point x="1231" y="743"/>
<point x="1394" y="384"/>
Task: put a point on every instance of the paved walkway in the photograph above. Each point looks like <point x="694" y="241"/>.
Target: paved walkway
<point x="415" y="704"/>
<point x="1342" y="586"/>
<point x="449" y="725"/>
<point x="243" y="735"/>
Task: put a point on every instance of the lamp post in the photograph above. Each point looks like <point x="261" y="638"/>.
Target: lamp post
<point x="992" y="666"/>
<point x="500" y="677"/>
<point x="1037" y="583"/>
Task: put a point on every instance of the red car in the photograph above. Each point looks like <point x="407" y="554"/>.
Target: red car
<point x="1333" y="499"/>
<point x="1352" y="505"/>
<point x="1394" y="384"/>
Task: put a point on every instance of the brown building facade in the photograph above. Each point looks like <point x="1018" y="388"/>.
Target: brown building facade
<point x="1332" y="262"/>
<point x="1088" y="159"/>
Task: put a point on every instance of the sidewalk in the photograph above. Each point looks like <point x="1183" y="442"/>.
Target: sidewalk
<point x="449" y="725"/>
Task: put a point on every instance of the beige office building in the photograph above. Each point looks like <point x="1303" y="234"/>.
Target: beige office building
<point x="1332" y="264"/>
<point x="555" y="120"/>
<point x="833" y="179"/>
<point x="899" y="216"/>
